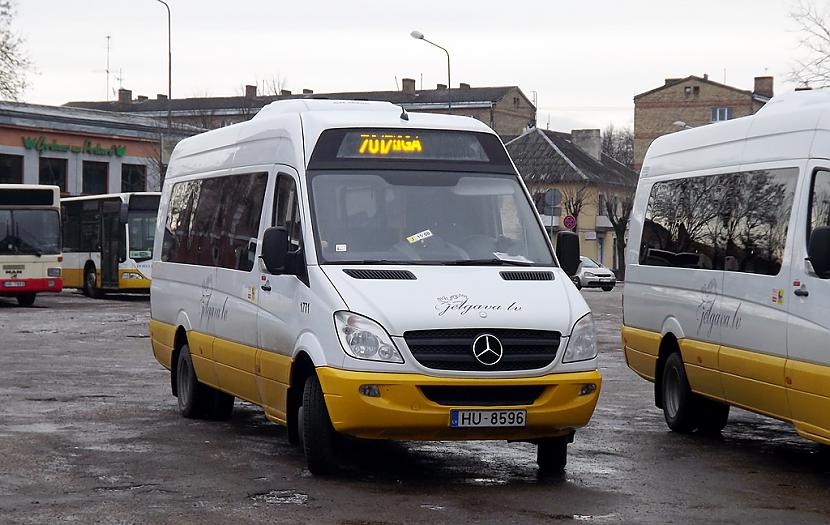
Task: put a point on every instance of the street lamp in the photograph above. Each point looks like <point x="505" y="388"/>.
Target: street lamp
<point x="417" y="35"/>
<point x="169" y="64"/>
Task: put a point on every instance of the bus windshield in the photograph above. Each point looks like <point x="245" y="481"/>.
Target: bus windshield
<point x="425" y="217"/>
<point x="142" y="225"/>
<point x="32" y="232"/>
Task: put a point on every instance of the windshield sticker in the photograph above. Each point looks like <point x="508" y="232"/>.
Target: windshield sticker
<point x="462" y="305"/>
<point x="250" y="293"/>
<point x="341" y="248"/>
<point x="508" y="257"/>
<point x="777" y="296"/>
<point x="426" y="234"/>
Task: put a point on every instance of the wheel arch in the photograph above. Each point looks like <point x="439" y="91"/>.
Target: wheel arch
<point x="668" y="345"/>
<point x="302" y="367"/>
<point x="179" y="340"/>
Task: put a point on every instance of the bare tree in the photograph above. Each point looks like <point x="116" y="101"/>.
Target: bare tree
<point x="618" y="212"/>
<point x="573" y="200"/>
<point x="272" y="86"/>
<point x="618" y="143"/>
<point x="812" y="21"/>
<point x="14" y="64"/>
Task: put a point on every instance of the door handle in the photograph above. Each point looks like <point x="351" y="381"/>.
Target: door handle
<point x="266" y="287"/>
<point x="801" y="292"/>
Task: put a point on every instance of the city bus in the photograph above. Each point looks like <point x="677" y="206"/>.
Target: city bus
<point x="108" y="242"/>
<point x="357" y="270"/>
<point x="30" y="246"/>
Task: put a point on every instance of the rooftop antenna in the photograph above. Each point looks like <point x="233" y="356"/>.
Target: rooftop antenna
<point x="396" y="83"/>
<point x="404" y="114"/>
<point x="422" y="82"/>
<point x="535" y="97"/>
<point x="108" y="67"/>
<point x="724" y="75"/>
<point x="120" y="78"/>
<point x="548" y="121"/>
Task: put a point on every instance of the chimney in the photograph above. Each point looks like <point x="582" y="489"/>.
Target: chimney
<point x="160" y="96"/>
<point x="141" y="98"/>
<point x="589" y="141"/>
<point x="463" y="85"/>
<point x="706" y="76"/>
<point x="250" y="91"/>
<point x="284" y="92"/>
<point x="125" y="95"/>
<point x="408" y="86"/>
<point x="308" y="91"/>
<point x="442" y="86"/>
<point x="763" y="86"/>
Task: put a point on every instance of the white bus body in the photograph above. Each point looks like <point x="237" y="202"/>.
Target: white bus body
<point x="371" y="324"/>
<point x="723" y="305"/>
<point x="30" y="247"/>
<point x="108" y="242"/>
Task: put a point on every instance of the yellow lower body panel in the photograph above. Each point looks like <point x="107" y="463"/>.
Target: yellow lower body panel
<point x="403" y="411"/>
<point x="162" y="338"/>
<point x="72" y="277"/>
<point x="641" y="349"/>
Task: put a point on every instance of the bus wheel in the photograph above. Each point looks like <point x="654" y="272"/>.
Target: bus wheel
<point x="194" y="397"/>
<point x="27" y="299"/>
<point x="221" y="405"/>
<point x="552" y="454"/>
<point x="317" y="435"/>
<point x="91" y="283"/>
<point x="679" y="403"/>
<point x="712" y="416"/>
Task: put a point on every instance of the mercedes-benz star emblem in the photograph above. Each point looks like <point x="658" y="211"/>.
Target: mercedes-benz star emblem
<point x="487" y="349"/>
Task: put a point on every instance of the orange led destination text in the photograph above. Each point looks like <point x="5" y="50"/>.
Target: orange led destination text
<point x="385" y="144"/>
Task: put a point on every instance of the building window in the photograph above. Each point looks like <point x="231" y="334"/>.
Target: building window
<point x="721" y="114"/>
<point x="133" y="177"/>
<point x="687" y="91"/>
<point x="516" y="102"/>
<point x="696" y="90"/>
<point x="601" y="207"/>
<point x="11" y="169"/>
<point x="53" y="172"/>
<point x="94" y="177"/>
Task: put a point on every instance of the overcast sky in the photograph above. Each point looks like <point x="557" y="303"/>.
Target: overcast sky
<point x="585" y="60"/>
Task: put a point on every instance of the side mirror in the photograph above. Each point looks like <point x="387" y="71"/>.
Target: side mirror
<point x="275" y="249"/>
<point x="123" y="213"/>
<point x="818" y="251"/>
<point x="567" y="251"/>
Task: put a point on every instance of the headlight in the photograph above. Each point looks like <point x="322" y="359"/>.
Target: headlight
<point x="363" y="338"/>
<point x="131" y="275"/>
<point x="53" y="272"/>
<point x="590" y="274"/>
<point x="582" y="345"/>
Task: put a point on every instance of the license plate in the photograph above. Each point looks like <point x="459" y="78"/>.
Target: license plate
<point x="487" y="418"/>
<point x="14" y="284"/>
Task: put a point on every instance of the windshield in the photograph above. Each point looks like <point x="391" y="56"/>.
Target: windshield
<point x="142" y="227"/>
<point x="588" y="263"/>
<point x="35" y="232"/>
<point x="406" y="217"/>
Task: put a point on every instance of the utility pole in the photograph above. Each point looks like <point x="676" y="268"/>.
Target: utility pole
<point x="169" y="65"/>
<point x="108" y="67"/>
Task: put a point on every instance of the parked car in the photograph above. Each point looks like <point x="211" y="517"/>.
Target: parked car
<point x="591" y="274"/>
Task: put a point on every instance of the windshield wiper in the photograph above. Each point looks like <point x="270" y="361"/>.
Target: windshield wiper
<point x="487" y="262"/>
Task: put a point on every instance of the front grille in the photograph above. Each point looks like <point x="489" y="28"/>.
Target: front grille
<point x="483" y="396"/>
<point x="526" y="276"/>
<point x="402" y="275"/>
<point x="451" y="349"/>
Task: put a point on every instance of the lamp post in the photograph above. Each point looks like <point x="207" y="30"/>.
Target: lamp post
<point x="417" y="35"/>
<point x="169" y="64"/>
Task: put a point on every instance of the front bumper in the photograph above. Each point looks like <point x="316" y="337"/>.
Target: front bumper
<point x="403" y="412"/>
<point x="598" y="282"/>
<point x="12" y="287"/>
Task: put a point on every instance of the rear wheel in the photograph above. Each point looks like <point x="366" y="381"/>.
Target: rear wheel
<point x="712" y="416"/>
<point x="552" y="454"/>
<point x="91" y="283"/>
<point x="317" y="435"/>
<point x="679" y="402"/>
<point x="27" y="299"/>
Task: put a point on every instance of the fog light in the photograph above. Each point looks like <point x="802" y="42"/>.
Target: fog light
<point x="369" y="390"/>
<point x="53" y="272"/>
<point x="587" y="389"/>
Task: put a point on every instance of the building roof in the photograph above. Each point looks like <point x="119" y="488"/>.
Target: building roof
<point x="93" y="121"/>
<point x="423" y="99"/>
<point x="550" y="157"/>
<point x="674" y="81"/>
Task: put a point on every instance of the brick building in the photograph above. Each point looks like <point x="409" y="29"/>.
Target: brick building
<point x="505" y="109"/>
<point x="572" y="166"/>
<point x="694" y="101"/>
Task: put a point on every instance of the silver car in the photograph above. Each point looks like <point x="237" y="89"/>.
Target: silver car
<point x="591" y="274"/>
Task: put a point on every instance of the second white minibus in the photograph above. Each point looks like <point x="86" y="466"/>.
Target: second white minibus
<point x="357" y="270"/>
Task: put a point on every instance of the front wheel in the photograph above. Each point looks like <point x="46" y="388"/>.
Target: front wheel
<point x="27" y="299"/>
<point x="91" y="283"/>
<point x="552" y="454"/>
<point x="317" y="434"/>
<point x="679" y="402"/>
<point x="607" y="288"/>
<point x="577" y="282"/>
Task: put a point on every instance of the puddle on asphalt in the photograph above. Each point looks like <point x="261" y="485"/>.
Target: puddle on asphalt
<point x="281" y="497"/>
<point x="430" y="506"/>
<point x="484" y="482"/>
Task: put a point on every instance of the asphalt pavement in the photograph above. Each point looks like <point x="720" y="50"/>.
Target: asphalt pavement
<point x="89" y="433"/>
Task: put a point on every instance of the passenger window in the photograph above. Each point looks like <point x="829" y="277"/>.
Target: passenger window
<point x="239" y="216"/>
<point x="177" y="229"/>
<point x="288" y="211"/>
<point x="819" y="202"/>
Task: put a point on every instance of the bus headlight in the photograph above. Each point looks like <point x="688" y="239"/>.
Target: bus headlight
<point x="53" y="272"/>
<point x="363" y="338"/>
<point x="131" y="275"/>
<point x="582" y="345"/>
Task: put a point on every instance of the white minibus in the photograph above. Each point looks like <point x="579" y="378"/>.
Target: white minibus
<point x="727" y="287"/>
<point x="356" y="270"/>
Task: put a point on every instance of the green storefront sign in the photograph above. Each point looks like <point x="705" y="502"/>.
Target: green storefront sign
<point x="40" y="144"/>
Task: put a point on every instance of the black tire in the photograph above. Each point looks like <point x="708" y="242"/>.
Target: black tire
<point x="91" y="283"/>
<point x="680" y="404"/>
<point x="317" y="435"/>
<point x="27" y="299"/>
<point x="220" y="407"/>
<point x="577" y="282"/>
<point x="607" y="288"/>
<point x="552" y="454"/>
<point x="195" y="399"/>
<point x="712" y="416"/>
